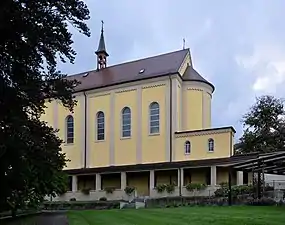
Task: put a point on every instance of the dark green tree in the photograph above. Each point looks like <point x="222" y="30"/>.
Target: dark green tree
<point x="264" y="127"/>
<point x="34" y="36"/>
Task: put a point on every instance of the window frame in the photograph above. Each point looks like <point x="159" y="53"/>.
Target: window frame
<point x="129" y="114"/>
<point x="211" y="145"/>
<point x="187" y="144"/>
<point x="69" y="139"/>
<point x="151" y="120"/>
<point x="97" y="126"/>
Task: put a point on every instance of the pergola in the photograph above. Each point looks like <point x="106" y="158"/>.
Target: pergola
<point x="269" y="163"/>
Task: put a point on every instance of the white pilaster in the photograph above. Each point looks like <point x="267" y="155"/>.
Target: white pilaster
<point x="239" y="178"/>
<point x="181" y="177"/>
<point x="213" y="175"/>
<point x="98" y="181"/>
<point x="151" y="179"/>
<point x="123" y="180"/>
<point x="74" y="183"/>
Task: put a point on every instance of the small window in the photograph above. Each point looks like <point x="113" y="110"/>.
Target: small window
<point x="187" y="147"/>
<point x="69" y="129"/>
<point x="100" y="126"/>
<point x="154" y="118"/>
<point x="210" y="145"/>
<point x="126" y="122"/>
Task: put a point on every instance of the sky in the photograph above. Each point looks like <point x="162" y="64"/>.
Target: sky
<point x="238" y="45"/>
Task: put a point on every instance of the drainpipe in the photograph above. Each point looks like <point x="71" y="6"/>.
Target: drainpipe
<point x="170" y="119"/>
<point x="85" y="129"/>
<point x="180" y="183"/>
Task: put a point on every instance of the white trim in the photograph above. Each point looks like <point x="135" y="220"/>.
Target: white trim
<point x="55" y="114"/>
<point x="195" y="84"/>
<point x="174" y="114"/>
<point x="139" y="126"/>
<point x="82" y="131"/>
<point x="111" y="129"/>
<point x="167" y="122"/>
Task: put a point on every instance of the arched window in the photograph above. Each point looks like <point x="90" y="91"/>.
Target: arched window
<point x="210" y="145"/>
<point x="126" y="122"/>
<point x="69" y="129"/>
<point x="154" y="118"/>
<point x="100" y="126"/>
<point x="187" y="147"/>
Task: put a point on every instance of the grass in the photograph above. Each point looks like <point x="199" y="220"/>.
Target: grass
<point x="236" y="215"/>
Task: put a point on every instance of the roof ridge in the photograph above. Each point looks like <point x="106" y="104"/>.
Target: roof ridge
<point x="151" y="57"/>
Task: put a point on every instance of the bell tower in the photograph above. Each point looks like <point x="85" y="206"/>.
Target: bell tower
<point x="101" y="52"/>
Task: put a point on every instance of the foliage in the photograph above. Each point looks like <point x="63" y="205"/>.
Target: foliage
<point x="69" y="205"/>
<point x="103" y="199"/>
<point x="264" y="127"/>
<point x="34" y="34"/>
<point x="109" y="190"/>
<point x="129" y="190"/>
<point x="195" y="187"/>
<point x="160" y="188"/>
<point x="170" y="188"/>
<point x="72" y="199"/>
<point x="86" y="191"/>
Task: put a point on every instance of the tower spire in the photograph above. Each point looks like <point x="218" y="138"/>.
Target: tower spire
<point x="101" y="51"/>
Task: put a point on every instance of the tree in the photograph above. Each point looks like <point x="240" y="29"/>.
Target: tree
<point x="34" y="34"/>
<point x="264" y="127"/>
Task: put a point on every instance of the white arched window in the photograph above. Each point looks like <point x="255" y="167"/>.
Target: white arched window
<point x="154" y="118"/>
<point x="187" y="147"/>
<point x="69" y="129"/>
<point x="210" y="145"/>
<point x="126" y="122"/>
<point x="100" y="126"/>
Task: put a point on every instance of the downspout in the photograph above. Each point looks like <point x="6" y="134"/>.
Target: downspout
<point x="85" y="129"/>
<point x="170" y="120"/>
<point x="180" y="186"/>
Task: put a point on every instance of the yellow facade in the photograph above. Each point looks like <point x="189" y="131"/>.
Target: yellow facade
<point x="190" y="113"/>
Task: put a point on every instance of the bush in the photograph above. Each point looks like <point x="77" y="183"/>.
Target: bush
<point x="261" y="202"/>
<point x="86" y="191"/>
<point x="71" y="205"/>
<point x="129" y="190"/>
<point x="195" y="187"/>
<point x="72" y="199"/>
<point x="109" y="190"/>
<point x="160" y="188"/>
<point x="170" y="188"/>
<point x="103" y="199"/>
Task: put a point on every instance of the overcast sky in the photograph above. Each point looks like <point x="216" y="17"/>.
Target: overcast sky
<point x="238" y="45"/>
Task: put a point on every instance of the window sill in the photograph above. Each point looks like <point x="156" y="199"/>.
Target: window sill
<point x="187" y="153"/>
<point x="211" y="151"/>
<point x="68" y="144"/>
<point x="154" y="134"/>
<point x="125" y="138"/>
<point x="98" y="141"/>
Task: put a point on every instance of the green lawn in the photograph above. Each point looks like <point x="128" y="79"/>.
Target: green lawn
<point x="236" y="215"/>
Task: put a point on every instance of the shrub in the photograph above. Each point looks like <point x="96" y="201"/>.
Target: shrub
<point x="86" y="191"/>
<point x="170" y="188"/>
<point x="109" y="190"/>
<point x="195" y="187"/>
<point x="129" y="190"/>
<point x="72" y="199"/>
<point x="103" y="199"/>
<point x="71" y="205"/>
<point x="160" y="188"/>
